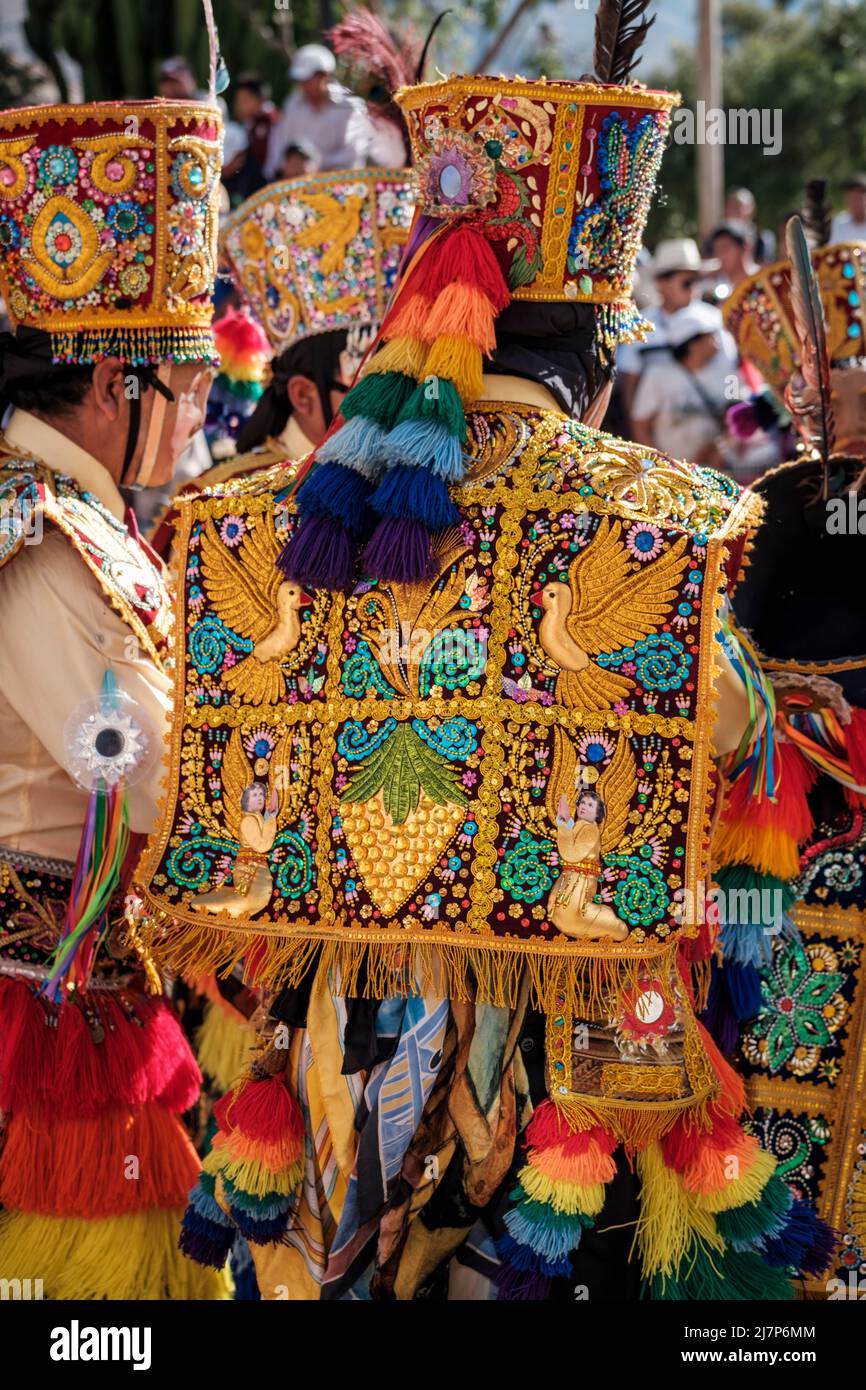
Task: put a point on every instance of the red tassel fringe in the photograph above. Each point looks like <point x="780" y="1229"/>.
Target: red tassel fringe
<point x="48" y="1054"/>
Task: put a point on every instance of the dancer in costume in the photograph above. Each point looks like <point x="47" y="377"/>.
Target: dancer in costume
<point x="107" y="260"/>
<point x="799" y="844"/>
<point x="458" y="707"/>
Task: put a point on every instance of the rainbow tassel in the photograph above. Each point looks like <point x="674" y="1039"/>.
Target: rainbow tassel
<point x="102" y="851"/>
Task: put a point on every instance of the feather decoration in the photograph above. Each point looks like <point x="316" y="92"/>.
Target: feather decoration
<point x="807" y="395"/>
<point x="372" y="50"/>
<point x="620" y="30"/>
<point x="422" y="61"/>
<point x="817" y="214"/>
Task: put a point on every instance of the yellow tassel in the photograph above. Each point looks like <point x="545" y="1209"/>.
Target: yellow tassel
<point x="746" y="1187"/>
<point x="223" y="1046"/>
<point x="765" y="848"/>
<point x="460" y="362"/>
<point x="249" y="1175"/>
<point x="406" y="355"/>
<point x="122" y="1257"/>
<point x="569" y="1197"/>
<point x="669" y="1220"/>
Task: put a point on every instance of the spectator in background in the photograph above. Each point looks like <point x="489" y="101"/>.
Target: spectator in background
<point x="242" y="175"/>
<point x="850" y="225"/>
<point x="323" y="112"/>
<point x="299" y="158"/>
<point x="740" y="206"/>
<point x="676" y="271"/>
<point x="257" y="114"/>
<point x="683" y="396"/>
<point x="177" y="81"/>
<point x="732" y="245"/>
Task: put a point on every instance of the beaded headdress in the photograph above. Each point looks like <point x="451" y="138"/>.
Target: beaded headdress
<point x="528" y="190"/>
<point x="311" y="255"/>
<point x="760" y="317"/>
<point x="108" y="227"/>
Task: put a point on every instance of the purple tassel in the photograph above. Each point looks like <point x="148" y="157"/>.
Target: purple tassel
<point x="719" y="1017"/>
<point x="320" y="555"/>
<point x="513" y="1286"/>
<point x="806" y="1242"/>
<point x="399" y="552"/>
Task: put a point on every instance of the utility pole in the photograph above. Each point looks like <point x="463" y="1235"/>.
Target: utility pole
<point x="710" y="162"/>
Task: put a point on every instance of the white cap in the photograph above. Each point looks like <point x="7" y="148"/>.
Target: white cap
<point x="691" y="321"/>
<point x="312" y="58"/>
<point x="680" y="253"/>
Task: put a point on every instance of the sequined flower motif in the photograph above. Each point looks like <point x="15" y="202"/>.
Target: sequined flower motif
<point x="232" y="531"/>
<point x="57" y="166"/>
<point x="802" y="1009"/>
<point x="595" y="749"/>
<point x="185" y="227"/>
<point x="458" y="173"/>
<point x="133" y="280"/>
<point x="124" y="219"/>
<point x="644" y="541"/>
<point x="190" y="177"/>
<point x="63" y="240"/>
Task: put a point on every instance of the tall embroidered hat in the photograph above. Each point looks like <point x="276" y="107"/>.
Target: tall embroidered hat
<point x="527" y="190"/>
<point x="760" y="317"/>
<point x="108" y="228"/>
<point x="311" y="255"/>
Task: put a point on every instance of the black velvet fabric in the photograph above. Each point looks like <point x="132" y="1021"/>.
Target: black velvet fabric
<point x="802" y="594"/>
<point x="554" y="344"/>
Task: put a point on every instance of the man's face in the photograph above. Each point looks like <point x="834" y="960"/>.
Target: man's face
<point x="177" y="86"/>
<point x="729" y="252"/>
<point x="315" y="88"/>
<point x="246" y="105"/>
<point x="677" y="290"/>
<point x="295" y="165"/>
<point x="855" y="201"/>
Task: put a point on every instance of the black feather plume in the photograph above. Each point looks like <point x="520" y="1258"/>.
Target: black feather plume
<point x="817" y="214"/>
<point x="620" y="29"/>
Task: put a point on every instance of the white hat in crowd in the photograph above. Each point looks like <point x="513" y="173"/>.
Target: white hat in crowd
<point x="691" y="322"/>
<point x="309" y="60"/>
<point x="680" y="253"/>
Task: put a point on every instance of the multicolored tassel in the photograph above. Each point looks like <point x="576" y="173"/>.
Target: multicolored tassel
<point x="401" y="447"/>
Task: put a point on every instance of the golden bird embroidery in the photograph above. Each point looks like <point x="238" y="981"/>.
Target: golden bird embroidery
<point x="253" y="598"/>
<point x="337" y="225"/>
<point x="605" y="606"/>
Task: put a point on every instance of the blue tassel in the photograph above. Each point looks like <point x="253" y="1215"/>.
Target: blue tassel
<point x="746" y="944"/>
<point x="206" y="1242"/>
<point x="414" y="493"/>
<point x="359" y="445"/>
<point x="332" y="489"/>
<point x="553" y="1241"/>
<point x="521" y="1258"/>
<point x="744" y="989"/>
<point x="261" y="1232"/>
<point x="429" y="445"/>
<point x="207" y="1207"/>
<point x="805" y="1242"/>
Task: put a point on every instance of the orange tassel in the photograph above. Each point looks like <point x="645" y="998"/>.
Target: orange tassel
<point x="121" y="1161"/>
<point x="462" y="311"/>
<point x="409" y="320"/>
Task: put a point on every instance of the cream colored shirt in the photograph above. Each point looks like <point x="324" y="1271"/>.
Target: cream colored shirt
<point x="58" y="636"/>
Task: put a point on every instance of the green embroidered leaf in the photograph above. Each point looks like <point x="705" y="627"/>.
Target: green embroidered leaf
<point x="371" y="775"/>
<point x="792" y="967"/>
<point x="780" y="1044"/>
<point x="438" y="777"/>
<point x="819" y="989"/>
<point x="402" y="790"/>
<point x="810" y="1030"/>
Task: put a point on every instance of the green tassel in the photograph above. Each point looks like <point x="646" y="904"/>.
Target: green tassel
<point x="741" y="878"/>
<point x="753" y="1219"/>
<point x="439" y="400"/>
<point x="379" y="396"/>
<point x="707" y="1277"/>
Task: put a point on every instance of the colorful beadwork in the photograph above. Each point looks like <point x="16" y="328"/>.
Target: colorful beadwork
<point x="313" y="255"/>
<point x="108" y="227"/>
<point x="760" y="317"/>
<point x="431" y="731"/>
<point x="559" y="175"/>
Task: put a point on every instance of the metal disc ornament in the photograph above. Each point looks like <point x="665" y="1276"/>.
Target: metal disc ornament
<point x="108" y="740"/>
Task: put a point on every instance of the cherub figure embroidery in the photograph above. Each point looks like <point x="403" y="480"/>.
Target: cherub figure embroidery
<point x="604" y="607"/>
<point x="251" y="810"/>
<point x="570" y="905"/>
<point x="253" y="598"/>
